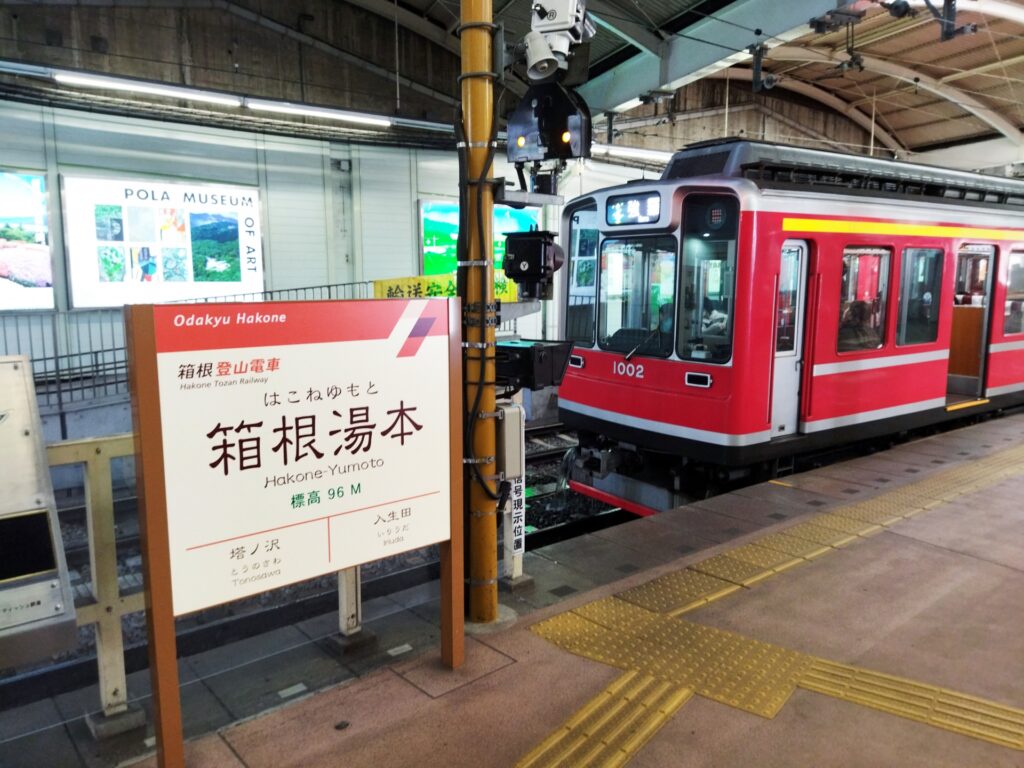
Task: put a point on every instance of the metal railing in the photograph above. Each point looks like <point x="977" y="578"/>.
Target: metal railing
<point x="79" y="355"/>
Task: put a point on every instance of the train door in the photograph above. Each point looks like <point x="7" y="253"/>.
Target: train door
<point x="789" y="337"/>
<point x="972" y="297"/>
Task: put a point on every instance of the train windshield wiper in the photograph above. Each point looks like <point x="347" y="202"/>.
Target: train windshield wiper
<point x="643" y="341"/>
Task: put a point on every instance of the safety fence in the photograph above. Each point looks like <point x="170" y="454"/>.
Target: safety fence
<point x="78" y="356"/>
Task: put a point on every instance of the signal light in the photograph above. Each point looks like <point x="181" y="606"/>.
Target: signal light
<point x="551" y="122"/>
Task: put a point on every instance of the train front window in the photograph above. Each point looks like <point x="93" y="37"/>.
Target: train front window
<point x="863" y="296"/>
<point x="710" y="228"/>
<point x="637" y="286"/>
<point x="583" y="238"/>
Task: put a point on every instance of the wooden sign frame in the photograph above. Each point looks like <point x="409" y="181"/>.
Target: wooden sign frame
<point x="140" y="327"/>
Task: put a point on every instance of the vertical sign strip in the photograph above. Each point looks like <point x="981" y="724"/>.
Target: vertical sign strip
<point x="452" y="565"/>
<point x="156" y="561"/>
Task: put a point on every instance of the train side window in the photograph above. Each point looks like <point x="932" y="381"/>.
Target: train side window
<point x="580" y="312"/>
<point x="920" y="285"/>
<point x="1013" y="313"/>
<point x="972" y="265"/>
<point x="637" y="287"/>
<point x="863" y="297"/>
<point x="710" y="231"/>
<point x="789" y="292"/>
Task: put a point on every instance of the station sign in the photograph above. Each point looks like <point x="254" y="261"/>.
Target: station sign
<point x="132" y="241"/>
<point x="300" y="438"/>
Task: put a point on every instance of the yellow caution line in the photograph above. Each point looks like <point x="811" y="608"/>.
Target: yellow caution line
<point x="610" y="728"/>
<point x="966" y="404"/>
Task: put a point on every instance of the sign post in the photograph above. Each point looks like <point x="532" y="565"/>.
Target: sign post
<point x="283" y="441"/>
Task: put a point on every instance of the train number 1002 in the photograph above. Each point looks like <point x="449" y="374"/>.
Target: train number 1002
<point x="622" y="368"/>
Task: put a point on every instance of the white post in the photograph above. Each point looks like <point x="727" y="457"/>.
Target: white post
<point x="350" y="603"/>
<point x="514" y="518"/>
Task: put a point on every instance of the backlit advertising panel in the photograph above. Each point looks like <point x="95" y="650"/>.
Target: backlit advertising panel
<point x="26" y="267"/>
<point x="133" y="241"/>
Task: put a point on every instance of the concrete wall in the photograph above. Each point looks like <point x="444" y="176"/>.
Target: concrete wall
<point x="332" y="212"/>
<point x="315" y="51"/>
<point x="713" y="109"/>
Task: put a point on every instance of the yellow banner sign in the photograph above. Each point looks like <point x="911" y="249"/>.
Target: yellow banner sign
<point x="435" y="285"/>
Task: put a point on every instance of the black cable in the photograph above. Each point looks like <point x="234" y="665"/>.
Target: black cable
<point x="462" y="251"/>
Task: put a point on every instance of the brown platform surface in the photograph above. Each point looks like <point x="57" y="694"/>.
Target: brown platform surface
<point x="937" y="598"/>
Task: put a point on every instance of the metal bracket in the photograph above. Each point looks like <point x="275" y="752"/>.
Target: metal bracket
<point x="478" y="344"/>
<point x="481" y="460"/>
<point x="490" y="414"/>
<point x="475" y="307"/>
<point x="477" y="263"/>
<point x="474" y="322"/>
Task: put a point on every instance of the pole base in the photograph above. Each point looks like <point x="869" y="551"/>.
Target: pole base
<point x="506" y="618"/>
<point x="516" y="585"/>
<point x="104" y="727"/>
<point x="346" y="645"/>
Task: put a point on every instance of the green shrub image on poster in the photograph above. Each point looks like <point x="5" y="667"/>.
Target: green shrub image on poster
<point x="439" y="221"/>
<point x="111" y="263"/>
<point x="215" y="254"/>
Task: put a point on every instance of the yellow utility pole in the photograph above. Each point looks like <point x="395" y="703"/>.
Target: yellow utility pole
<point x="478" y="305"/>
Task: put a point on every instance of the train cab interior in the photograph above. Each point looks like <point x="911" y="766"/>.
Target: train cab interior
<point x="634" y="277"/>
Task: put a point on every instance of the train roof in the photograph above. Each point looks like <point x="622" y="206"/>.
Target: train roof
<point x="777" y="166"/>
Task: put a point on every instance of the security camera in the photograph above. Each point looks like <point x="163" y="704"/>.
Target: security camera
<point x="556" y="27"/>
<point x="540" y="59"/>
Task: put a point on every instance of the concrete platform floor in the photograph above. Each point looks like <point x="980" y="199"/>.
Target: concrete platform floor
<point x="936" y="598"/>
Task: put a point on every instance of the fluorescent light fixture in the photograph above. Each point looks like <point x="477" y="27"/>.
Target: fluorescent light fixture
<point x="286" y="108"/>
<point x="139" y="86"/>
<point x="631" y="153"/>
<point x="27" y="70"/>
<point x="423" y="125"/>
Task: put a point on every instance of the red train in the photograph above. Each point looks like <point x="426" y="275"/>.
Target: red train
<point x="760" y="301"/>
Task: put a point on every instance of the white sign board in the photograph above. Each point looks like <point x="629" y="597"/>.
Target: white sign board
<point x="131" y="241"/>
<point x="299" y="439"/>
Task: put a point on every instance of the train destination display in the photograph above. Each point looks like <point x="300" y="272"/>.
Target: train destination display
<point x="135" y="241"/>
<point x="300" y="439"/>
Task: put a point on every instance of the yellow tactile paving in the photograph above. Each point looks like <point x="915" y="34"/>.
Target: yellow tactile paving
<point x="845" y="525"/>
<point x="929" y="704"/>
<point x="772" y="559"/>
<point x="791" y="545"/>
<point x="828" y="537"/>
<point x="730" y="569"/>
<point x="678" y="591"/>
<point x="611" y="727"/>
<point x="617" y="614"/>
<point x="870" y="513"/>
<point x="668" y="659"/>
